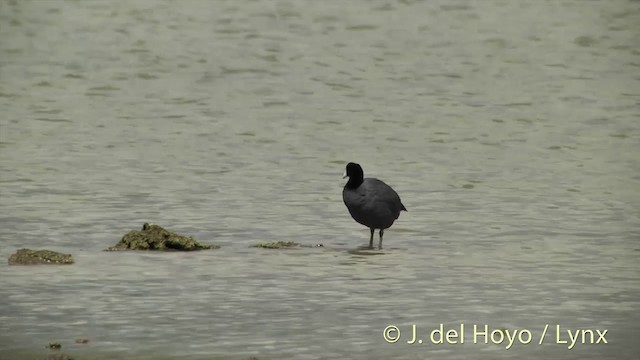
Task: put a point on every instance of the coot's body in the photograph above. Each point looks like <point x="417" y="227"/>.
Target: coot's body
<point x="370" y="201"/>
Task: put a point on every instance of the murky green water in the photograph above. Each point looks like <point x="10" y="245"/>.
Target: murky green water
<point x="511" y="130"/>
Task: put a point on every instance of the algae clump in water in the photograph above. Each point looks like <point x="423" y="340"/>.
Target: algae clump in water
<point x="154" y="237"/>
<point x="276" y="244"/>
<point x="54" y="345"/>
<point x="38" y="257"/>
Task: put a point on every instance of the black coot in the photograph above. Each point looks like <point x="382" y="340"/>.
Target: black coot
<point x="370" y="201"/>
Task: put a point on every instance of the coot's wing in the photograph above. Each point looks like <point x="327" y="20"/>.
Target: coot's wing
<point x="379" y="196"/>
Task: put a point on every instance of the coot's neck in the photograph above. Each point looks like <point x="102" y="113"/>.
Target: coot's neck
<point x="355" y="180"/>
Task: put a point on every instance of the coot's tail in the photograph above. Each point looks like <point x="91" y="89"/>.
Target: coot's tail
<point x="403" y="208"/>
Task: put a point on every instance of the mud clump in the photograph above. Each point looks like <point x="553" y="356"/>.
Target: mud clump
<point x="39" y="257"/>
<point x="154" y="237"/>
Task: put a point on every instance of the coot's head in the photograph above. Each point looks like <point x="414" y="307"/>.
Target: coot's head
<point x="355" y="174"/>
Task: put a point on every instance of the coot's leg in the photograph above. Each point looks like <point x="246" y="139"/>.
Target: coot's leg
<point x="381" y="233"/>
<point x="371" y="239"/>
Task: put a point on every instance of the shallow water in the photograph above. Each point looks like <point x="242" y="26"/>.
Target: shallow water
<point x="511" y="132"/>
